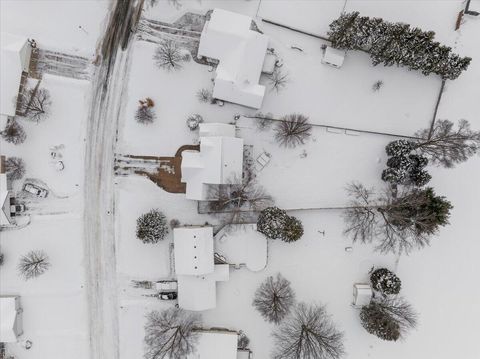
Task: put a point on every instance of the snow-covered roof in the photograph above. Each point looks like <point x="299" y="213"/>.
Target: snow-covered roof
<point x="10" y="321"/>
<point x="193" y="248"/>
<point x="5" y="218"/>
<point x="216" y="345"/>
<point x="11" y="67"/>
<point x="333" y="56"/>
<point x="241" y="52"/>
<point x="219" y="161"/>
<point x="200" y="292"/>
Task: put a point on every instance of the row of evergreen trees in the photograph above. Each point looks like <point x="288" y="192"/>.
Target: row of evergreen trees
<point x="396" y="44"/>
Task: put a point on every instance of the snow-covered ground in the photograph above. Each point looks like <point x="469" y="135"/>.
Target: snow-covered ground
<point x="440" y="281"/>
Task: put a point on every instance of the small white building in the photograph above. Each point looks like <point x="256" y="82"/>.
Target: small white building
<point x="197" y="274"/>
<point x="10" y="319"/>
<point x="227" y="37"/>
<point x="333" y="57"/>
<point x="216" y="345"/>
<point x="15" y="54"/>
<point x="220" y="160"/>
<point x="5" y="197"/>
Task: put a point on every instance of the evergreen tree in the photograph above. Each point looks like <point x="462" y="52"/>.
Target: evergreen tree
<point x="385" y="281"/>
<point x="271" y="222"/>
<point x="152" y="226"/>
<point x="293" y="230"/>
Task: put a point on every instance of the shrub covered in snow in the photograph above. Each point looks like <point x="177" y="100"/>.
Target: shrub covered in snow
<point x="2" y="258"/>
<point x="399" y="148"/>
<point x="243" y="341"/>
<point x="152" y="226"/>
<point x="274" y="298"/>
<point x="205" y="95"/>
<point x="15" y="168"/>
<point x="33" y="264"/>
<point x="396" y="44"/>
<point x="145" y="113"/>
<point x="385" y="281"/>
<point x="14" y="133"/>
<point x="271" y="222"/>
<point x="292" y="230"/>
<point x="194" y="121"/>
<point x="388" y="319"/>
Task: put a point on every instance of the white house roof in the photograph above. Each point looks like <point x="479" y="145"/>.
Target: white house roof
<point x="9" y="328"/>
<point x="241" y="52"/>
<point x="219" y="161"/>
<point x="10" y="71"/>
<point x="200" y="292"/>
<point x="216" y="345"/>
<point x="4" y="201"/>
<point x="193" y="249"/>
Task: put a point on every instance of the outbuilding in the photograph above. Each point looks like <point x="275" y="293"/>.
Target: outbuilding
<point x="10" y="319"/>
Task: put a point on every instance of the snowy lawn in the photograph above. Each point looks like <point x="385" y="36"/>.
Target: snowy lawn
<point x="49" y="321"/>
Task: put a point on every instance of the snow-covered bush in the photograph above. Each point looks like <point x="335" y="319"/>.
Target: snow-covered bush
<point x="145" y="113"/>
<point x="174" y="223"/>
<point x="194" y="121"/>
<point x="399" y="148"/>
<point x="388" y="319"/>
<point x="242" y="341"/>
<point x="152" y="226"/>
<point x="292" y="230"/>
<point x="33" y="264"/>
<point x="15" y="168"/>
<point x="396" y="44"/>
<point x="14" y="133"/>
<point x="277" y="80"/>
<point x="385" y="281"/>
<point x="2" y="258"/>
<point x="271" y="222"/>
<point x="274" y="298"/>
<point x="205" y="95"/>
<point x="274" y="223"/>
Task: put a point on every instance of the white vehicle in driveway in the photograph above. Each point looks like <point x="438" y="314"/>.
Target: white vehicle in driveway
<point x="35" y="190"/>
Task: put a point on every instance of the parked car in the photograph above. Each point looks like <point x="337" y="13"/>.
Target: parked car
<point x="167" y="289"/>
<point x="15" y="209"/>
<point x="35" y="190"/>
<point x="168" y="296"/>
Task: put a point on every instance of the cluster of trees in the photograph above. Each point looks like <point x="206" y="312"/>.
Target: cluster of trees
<point x="387" y="316"/>
<point x="152" y="226"/>
<point x="303" y="331"/>
<point x="396" y="44"/>
<point x="274" y="223"/>
<point x="405" y="167"/>
<point x="398" y="220"/>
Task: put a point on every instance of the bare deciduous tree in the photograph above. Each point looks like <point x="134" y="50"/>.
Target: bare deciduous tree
<point x="205" y="95"/>
<point x="277" y="80"/>
<point x="274" y="298"/>
<point x="33" y="264"/>
<point x="171" y="334"/>
<point x="36" y="104"/>
<point x="308" y="333"/>
<point x="169" y="55"/>
<point x="444" y="145"/>
<point x="15" y="168"/>
<point x="399" y="221"/>
<point x="236" y="200"/>
<point x="293" y="130"/>
<point x="14" y="133"/>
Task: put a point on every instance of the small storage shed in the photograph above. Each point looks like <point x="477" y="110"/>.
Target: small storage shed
<point x="362" y="294"/>
<point x="216" y="345"/>
<point x="5" y="195"/>
<point x="333" y="57"/>
<point x="10" y="319"/>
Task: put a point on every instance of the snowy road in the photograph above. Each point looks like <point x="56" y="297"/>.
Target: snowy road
<point x="108" y="85"/>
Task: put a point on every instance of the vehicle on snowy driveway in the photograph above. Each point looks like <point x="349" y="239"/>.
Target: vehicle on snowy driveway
<point x="35" y="190"/>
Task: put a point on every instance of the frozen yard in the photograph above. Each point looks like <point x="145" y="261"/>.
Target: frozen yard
<point x="323" y="265"/>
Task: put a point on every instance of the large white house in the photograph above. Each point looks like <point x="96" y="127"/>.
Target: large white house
<point x="227" y="37"/>
<point x="15" y="54"/>
<point x="220" y="160"/>
<point x="10" y="319"/>
<point x="196" y="272"/>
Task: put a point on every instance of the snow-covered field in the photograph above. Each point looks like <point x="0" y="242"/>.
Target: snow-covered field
<point x="440" y="281"/>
